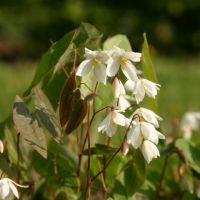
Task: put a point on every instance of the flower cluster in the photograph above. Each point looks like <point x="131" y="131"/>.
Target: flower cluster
<point x="142" y="124"/>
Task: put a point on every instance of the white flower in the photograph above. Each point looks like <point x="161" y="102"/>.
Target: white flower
<point x="120" y="57"/>
<point x="94" y="60"/>
<point x="109" y="124"/>
<point x="143" y="131"/>
<point x="120" y="95"/>
<point x="189" y="123"/>
<point x="149" y="151"/>
<point x="8" y="188"/>
<point x="148" y="116"/>
<point x="1" y="146"/>
<point x="142" y="86"/>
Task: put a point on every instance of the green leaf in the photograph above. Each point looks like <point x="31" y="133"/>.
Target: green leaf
<point x="148" y="69"/>
<point x="101" y="149"/>
<point x="58" y="168"/>
<point x="134" y="174"/>
<point x="10" y="139"/>
<point x="190" y="152"/>
<point x="66" y="99"/>
<point x="46" y="113"/>
<point x="29" y="127"/>
<point x="61" y="53"/>
<point x="119" y="40"/>
<point x="79" y="110"/>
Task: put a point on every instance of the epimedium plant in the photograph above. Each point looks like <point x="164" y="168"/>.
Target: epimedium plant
<point x="85" y="128"/>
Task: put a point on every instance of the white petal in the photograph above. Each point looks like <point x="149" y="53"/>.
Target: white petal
<point x="123" y="103"/>
<point x="103" y="56"/>
<point x="160" y="135"/>
<point x="4" y="188"/>
<point x="1" y="146"/>
<point x="148" y="115"/>
<point x="149" y="132"/>
<point x="100" y="73"/>
<point x="130" y="85"/>
<point x="112" y="67"/>
<point x="151" y="88"/>
<point x="129" y="71"/>
<point x="134" y="137"/>
<point x="135" y="57"/>
<point x="111" y="129"/>
<point x="89" y="54"/>
<point x="14" y="190"/>
<point x="84" y="68"/>
<point x="118" y="118"/>
<point x="105" y="123"/>
<point x="139" y="91"/>
<point x="149" y="151"/>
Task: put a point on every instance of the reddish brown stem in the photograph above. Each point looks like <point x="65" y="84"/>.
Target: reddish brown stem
<point x="87" y="191"/>
<point x="18" y="157"/>
<point x="78" y="171"/>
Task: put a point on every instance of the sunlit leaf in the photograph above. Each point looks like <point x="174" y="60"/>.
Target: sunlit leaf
<point x="148" y="69"/>
<point x="29" y="127"/>
<point x="119" y="40"/>
<point x="11" y="145"/>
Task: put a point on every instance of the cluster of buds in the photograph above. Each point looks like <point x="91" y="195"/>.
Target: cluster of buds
<point x="142" y="123"/>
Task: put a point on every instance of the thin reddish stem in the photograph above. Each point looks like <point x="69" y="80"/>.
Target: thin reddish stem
<point x="18" y="157"/>
<point x="87" y="191"/>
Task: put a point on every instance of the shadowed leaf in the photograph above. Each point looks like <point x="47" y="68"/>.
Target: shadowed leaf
<point x="29" y="127"/>
<point x="46" y="113"/>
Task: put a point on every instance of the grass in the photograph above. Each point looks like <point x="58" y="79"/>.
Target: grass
<point x="14" y="79"/>
<point x="179" y="92"/>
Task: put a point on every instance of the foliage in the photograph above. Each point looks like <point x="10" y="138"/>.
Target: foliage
<point x="54" y="120"/>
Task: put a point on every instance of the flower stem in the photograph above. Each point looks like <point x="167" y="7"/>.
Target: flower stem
<point x="87" y="190"/>
<point x="18" y="157"/>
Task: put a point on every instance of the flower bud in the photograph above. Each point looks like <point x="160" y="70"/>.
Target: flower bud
<point x="1" y="146"/>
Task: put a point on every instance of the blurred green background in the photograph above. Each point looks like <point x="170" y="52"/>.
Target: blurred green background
<point x="27" y="28"/>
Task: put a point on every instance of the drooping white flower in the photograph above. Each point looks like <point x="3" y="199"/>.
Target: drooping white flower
<point x="149" y="150"/>
<point x="140" y="87"/>
<point x="94" y="60"/>
<point x="1" y="146"/>
<point x="143" y="131"/>
<point x="120" y="95"/>
<point x="109" y="124"/>
<point x="120" y="57"/>
<point x="148" y="116"/>
<point x="8" y="188"/>
<point x="189" y="122"/>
